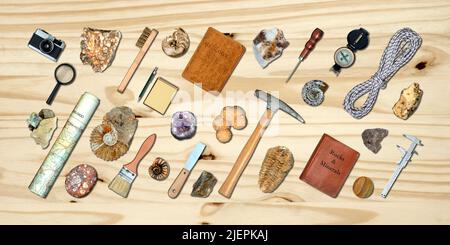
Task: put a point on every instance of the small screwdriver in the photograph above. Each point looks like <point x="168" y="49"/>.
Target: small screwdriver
<point x="316" y="35"/>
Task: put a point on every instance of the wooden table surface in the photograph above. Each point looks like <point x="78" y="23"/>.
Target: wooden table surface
<point x="420" y="196"/>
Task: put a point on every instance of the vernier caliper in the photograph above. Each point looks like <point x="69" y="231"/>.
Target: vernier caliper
<point x="401" y="164"/>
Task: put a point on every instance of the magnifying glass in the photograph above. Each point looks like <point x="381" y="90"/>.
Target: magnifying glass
<point x="64" y="74"/>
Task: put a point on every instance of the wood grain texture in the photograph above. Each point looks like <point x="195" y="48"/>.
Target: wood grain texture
<point x="421" y="195"/>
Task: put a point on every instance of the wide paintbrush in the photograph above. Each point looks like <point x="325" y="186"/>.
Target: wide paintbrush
<point x="121" y="184"/>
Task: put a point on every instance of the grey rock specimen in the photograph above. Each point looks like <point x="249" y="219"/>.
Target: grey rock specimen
<point x="46" y="113"/>
<point x="204" y="185"/>
<point x="372" y="138"/>
<point x="33" y="121"/>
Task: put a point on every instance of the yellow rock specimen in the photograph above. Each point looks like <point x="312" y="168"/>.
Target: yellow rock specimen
<point x="408" y="102"/>
<point x="44" y="132"/>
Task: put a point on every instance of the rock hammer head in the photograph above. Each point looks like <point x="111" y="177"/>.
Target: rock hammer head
<point x="275" y="104"/>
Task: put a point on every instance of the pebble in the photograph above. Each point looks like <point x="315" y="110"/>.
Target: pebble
<point x="81" y="180"/>
<point x="363" y="187"/>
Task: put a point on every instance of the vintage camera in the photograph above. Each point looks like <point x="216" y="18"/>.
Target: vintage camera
<point x="46" y="44"/>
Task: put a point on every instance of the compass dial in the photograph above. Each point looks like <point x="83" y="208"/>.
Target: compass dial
<point x="344" y="57"/>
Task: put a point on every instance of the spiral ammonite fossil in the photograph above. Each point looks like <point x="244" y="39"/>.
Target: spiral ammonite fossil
<point x="111" y="139"/>
<point x="313" y="92"/>
<point x="160" y="169"/>
<point x="176" y="44"/>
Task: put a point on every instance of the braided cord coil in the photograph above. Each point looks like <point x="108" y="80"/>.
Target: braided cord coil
<point x="400" y="50"/>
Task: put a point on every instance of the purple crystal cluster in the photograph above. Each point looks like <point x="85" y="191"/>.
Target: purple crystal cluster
<point x="184" y="125"/>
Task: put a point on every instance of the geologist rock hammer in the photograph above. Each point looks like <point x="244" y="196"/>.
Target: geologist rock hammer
<point x="273" y="105"/>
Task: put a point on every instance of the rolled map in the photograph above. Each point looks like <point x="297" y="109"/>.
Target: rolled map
<point x="65" y="143"/>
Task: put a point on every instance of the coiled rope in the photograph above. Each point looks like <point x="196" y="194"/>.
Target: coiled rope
<point x="400" y="50"/>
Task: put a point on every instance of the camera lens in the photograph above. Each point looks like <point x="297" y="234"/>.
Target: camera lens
<point x="46" y="46"/>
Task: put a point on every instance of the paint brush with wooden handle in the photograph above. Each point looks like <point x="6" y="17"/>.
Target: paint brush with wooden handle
<point x="121" y="184"/>
<point x="144" y="42"/>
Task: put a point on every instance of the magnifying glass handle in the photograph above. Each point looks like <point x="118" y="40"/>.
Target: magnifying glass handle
<point x="53" y="94"/>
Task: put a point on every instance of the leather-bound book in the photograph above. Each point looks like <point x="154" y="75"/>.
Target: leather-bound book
<point x="213" y="61"/>
<point x="329" y="166"/>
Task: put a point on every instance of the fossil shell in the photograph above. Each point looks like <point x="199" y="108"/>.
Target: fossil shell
<point x="313" y="92"/>
<point x="160" y="169"/>
<point x="176" y="44"/>
<point x="408" y="102"/>
<point x="105" y="144"/>
<point x="124" y="121"/>
<point x="112" y="139"/>
<point x="275" y="167"/>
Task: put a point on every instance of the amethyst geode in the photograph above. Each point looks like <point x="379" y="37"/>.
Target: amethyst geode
<point x="184" y="125"/>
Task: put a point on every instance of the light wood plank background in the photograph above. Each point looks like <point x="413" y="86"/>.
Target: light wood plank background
<point x="422" y="194"/>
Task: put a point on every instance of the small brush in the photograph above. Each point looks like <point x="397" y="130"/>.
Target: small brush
<point x="121" y="184"/>
<point x="144" y="42"/>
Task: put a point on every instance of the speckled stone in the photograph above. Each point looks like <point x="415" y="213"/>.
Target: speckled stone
<point x="81" y="180"/>
<point x="372" y="138"/>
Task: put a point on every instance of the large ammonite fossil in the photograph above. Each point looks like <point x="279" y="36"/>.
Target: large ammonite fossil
<point x="105" y="144"/>
<point x="176" y="44"/>
<point x="112" y="139"/>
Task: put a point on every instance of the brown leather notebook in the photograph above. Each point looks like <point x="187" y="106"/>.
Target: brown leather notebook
<point x="329" y="165"/>
<point x="213" y="61"/>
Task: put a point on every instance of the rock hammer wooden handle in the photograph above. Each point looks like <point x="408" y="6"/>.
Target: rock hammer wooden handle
<point x="246" y="154"/>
